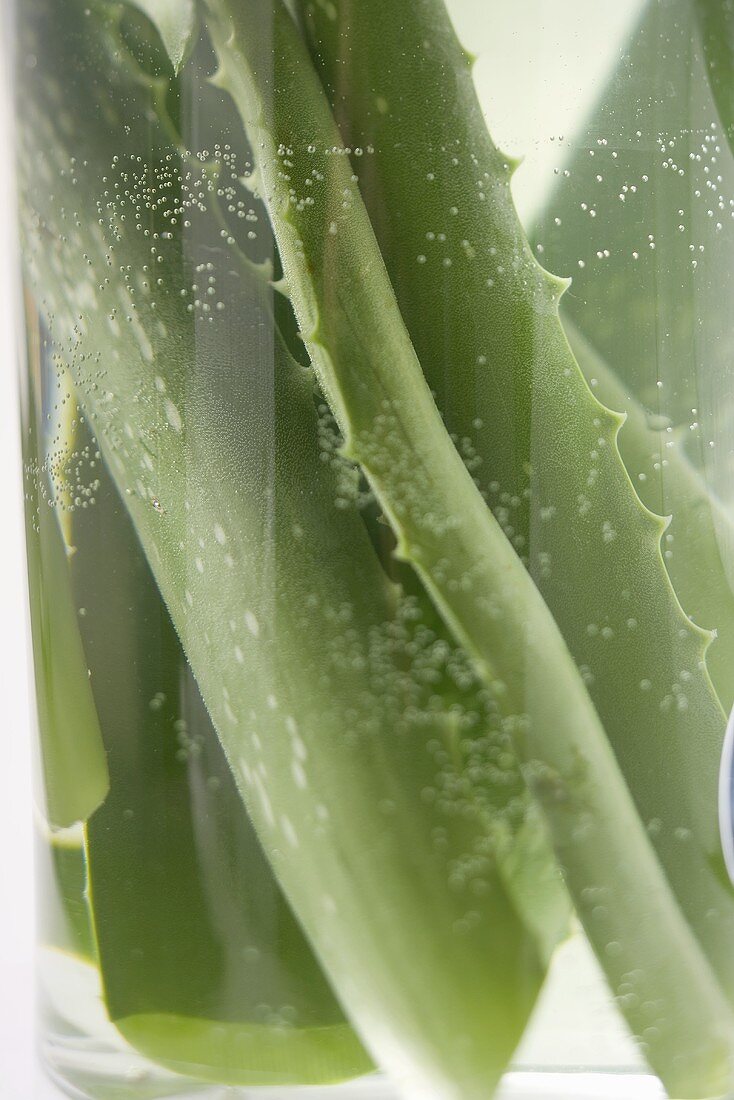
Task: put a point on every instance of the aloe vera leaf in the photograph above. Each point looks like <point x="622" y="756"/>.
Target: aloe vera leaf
<point x="701" y="528"/>
<point x="716" y="22"/>
<point x="525" y="856"/>
<point x="47" y="431"/>
<point x="671" y="169"/>
<point x="217" y="944"/>
<point x="235" y="994"/>
<point x="656" y="147"/>
<point x="72" y="757"/>
<point x="175" y="21"/>
<point x="541" y="447"/>
<point x="337" y="745"/>
<point x="61" y="877"/>
<point x="368" y="370"/>
<point x="136" y="852"/>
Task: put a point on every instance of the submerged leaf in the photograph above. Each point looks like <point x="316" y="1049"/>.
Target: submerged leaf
<point x="203" y="965"/>
<point x="540" y="446"/>
<point x="73" y="761"/>
<point x="63" y="914"/>
<point x="701" y="530"/>
<point x="716" y="21"/>
<point x="207" y="971"/>
<point x="666" y="277"/>
<point x="656" y="342"/>
<point x="369" y="372"/>
<point x="175" y="21"/>
<point x="319" y="675"/>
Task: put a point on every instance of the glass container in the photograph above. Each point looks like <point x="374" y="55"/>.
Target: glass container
<point x="377" y="443"/>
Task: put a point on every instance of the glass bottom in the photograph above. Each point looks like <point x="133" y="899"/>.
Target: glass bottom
<point x="521" y="1085"/>
<point x="576" y="1048"/>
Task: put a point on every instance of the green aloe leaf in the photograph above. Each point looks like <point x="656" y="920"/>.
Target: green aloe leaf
<point x="667" y="480"/>
<point x="671" y="170"/>
<point x="372" y="793"/>
<point x="176" y="22"/>
<point x="643" y="168"/>
<point x="215" y="978"/>
<point x="61" y="876"/>
<point x="540" y="446"/>
<point x="369" y="372"/>
<point x="72" y="756"/>
<point x="235" y="994"/>
<point x="716" y="21"/>
<point x="203" y="967"/>
<point x="652" y="188"/>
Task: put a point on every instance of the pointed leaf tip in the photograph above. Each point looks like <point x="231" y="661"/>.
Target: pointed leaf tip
<point x="175" y="21"/>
